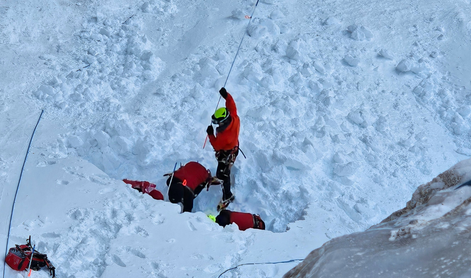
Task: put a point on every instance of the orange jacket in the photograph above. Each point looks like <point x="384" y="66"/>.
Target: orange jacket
<point x="229" y="137"/>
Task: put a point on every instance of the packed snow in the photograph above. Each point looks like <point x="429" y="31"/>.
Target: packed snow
<point x="345" y="108"/>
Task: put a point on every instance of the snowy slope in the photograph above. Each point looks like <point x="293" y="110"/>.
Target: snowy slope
<point x="345" y="109"/>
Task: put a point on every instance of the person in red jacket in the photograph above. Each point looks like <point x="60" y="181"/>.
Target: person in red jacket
<point x="145" y="187"/>
<point x="225" y="143"/>
<point x="187" y="182"/>
<point x="242" y="219"/>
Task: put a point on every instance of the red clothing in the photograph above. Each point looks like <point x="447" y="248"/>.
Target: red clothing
<point x="145" y="187"/>
<point x="242" y="219"/>
<point x="229" y="138"/>
<point x="156" y="194"/>
<point x="194" y="174"/>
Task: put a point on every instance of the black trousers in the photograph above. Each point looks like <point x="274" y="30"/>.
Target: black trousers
<point x="225" y="161"/>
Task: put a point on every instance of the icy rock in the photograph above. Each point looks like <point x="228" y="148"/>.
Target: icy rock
<point x="296" y="164"/>
<point x="146" y="55"/>
<point x="145" y="8"/>
<point x="306" y="70"/>
<point x="238" y="14"/>
<point x="102" y="138"/>
<point x="385" y="54"/>
<point x="356" y="118"/>
<point x="338" y="158"/>
<point x="276" y="14"/>
<point x="319" y="67"/>
<point x="263" y="27"/>
<point x="74" y="141"/>
<point x="351" y="61"/>
<point x="424" y="90"/>
<point x="345" y="170"/>
<point x="404" y="66"/>
<point x="292" y="51"/>
<point x="359" y="33"/>
<point x="44" y="91"/>
<point x="459" y="126"/>
<point x="207" y="68"/>
<point x="105" y="31"/>
<point x="330" y="21"/>
<point x="110" y="161"/>
<point x="54" y="82"/>
<point x="465" y="111"/>
<point x="325" y="83"/>
<point x="315" y="86"/>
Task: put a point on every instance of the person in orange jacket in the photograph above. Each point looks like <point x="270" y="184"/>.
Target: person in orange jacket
<point x="187" y="182"/>
<point x="225" y="143"/>
<point x="243" y="220"/>
<point x="145" y="187"/>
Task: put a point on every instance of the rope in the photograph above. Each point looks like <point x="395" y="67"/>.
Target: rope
<point x="240" y="44"/>
<point x="235" y="57"/>
<point x="17" y="188"/>
<point x="280" y="262"/>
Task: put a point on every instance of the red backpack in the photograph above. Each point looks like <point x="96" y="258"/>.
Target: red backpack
<point x="18" y="258"/>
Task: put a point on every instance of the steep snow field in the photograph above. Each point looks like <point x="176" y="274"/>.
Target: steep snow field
<point x="345" y="107"/>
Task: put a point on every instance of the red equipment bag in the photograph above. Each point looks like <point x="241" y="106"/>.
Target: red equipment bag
<point x="18" y="258"/>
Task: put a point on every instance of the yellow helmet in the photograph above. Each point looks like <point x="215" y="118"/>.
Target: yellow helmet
<point x="220" y="116"/>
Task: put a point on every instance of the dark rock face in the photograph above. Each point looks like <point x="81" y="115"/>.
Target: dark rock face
<point x="430" y="237"/>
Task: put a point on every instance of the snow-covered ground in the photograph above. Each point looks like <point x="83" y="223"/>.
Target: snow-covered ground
<point x="346" y="108"/>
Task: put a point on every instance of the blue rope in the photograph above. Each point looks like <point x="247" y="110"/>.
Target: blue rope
<point x="281" y="262"/>
<point x="17" y="188"/>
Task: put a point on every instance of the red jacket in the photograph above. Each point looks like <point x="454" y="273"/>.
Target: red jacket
<point x="229" y="138"/>
<point x="194" y="174"/>
<point x="242" y="219"/>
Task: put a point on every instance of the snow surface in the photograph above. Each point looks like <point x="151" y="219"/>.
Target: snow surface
<point x="345" y="107"/>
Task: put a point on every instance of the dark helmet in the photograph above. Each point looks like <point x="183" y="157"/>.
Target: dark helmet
<point x="175" y="193"/>
<point x="220" y="116"/>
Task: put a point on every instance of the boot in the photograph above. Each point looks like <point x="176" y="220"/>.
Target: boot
<point x="223" y="204"/>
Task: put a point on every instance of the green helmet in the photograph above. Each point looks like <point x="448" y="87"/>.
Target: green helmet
<point x="220" y="116"/>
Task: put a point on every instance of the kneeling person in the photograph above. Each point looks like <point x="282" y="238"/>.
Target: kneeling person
<point x="187" y="182"/>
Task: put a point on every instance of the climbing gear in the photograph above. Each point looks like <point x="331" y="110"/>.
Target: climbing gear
<point x="227" y="157"/>
<point x="19" y="257"/>
<point x="258" y="222"/>
<point x="212" y="217"/>
<point x="223" y="204"/>
<point x="220" y="116"/>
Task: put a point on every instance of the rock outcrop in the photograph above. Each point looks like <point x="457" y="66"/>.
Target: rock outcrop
<point x="430" y="237"/>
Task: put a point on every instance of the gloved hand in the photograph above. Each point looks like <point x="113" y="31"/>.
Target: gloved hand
<point x="223" y="92"/>
<point x="210" y="130"/>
